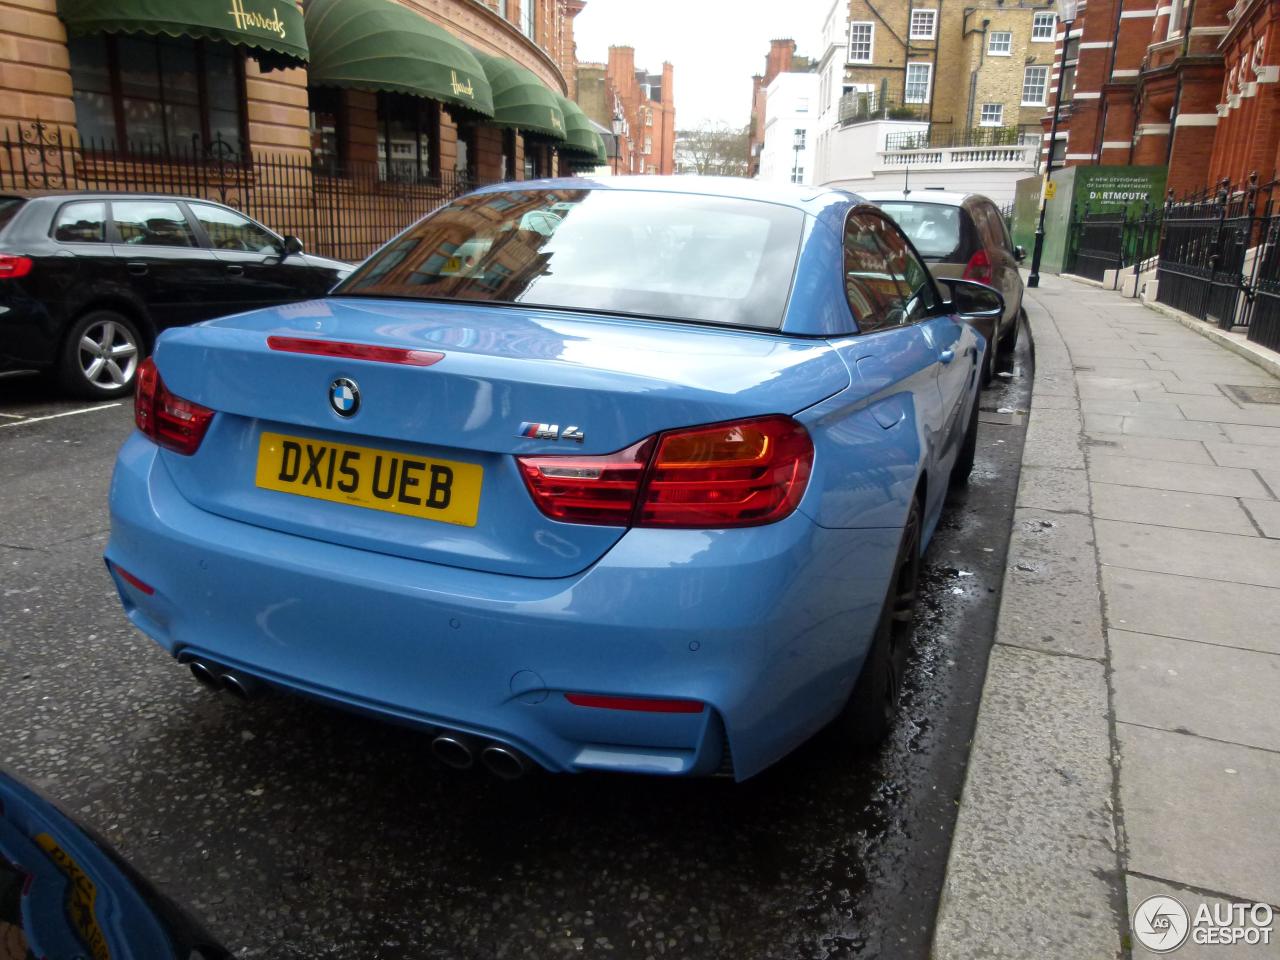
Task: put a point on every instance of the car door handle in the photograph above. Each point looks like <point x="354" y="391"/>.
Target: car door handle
<point x="235" y="269"/>
<point x="137" y="269"/>
<point x="946" y="356"/>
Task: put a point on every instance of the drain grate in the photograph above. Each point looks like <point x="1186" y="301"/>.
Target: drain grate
<point x="1251" y="394"/>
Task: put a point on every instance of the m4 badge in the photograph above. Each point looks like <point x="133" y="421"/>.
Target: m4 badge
<point x="551" y="431"/>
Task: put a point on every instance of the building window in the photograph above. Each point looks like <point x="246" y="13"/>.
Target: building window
<point x="1035" y="81"/>
<point x="648" y="145"/>
<point x="1000" y="43"/>
<point x="1070" y="57"/>
<point x="1044" y="25"/>
<point x="1059" y="151"/>
<point x="797" y="175"/>
<point x="992" y="115"/>
<point x="529" y="17"/>
<point x="157" y="94"/>
<point x="860" y="41"/>
<point x="328" y="128"/>
<point x="917" y="87"/>
<point x="408" y="142"/>
<point x="802" y="105"/>
<point x="924" y="24"/>
<point x="801" y="136"/>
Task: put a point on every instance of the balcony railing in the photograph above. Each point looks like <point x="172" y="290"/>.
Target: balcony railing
<point x="948" y="137"/>
<point x="860" y="107"/>
<point x="1015" y="157"/>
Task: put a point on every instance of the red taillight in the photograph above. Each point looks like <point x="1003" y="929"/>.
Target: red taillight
<point x="737" y="474"/>
<point x="640" y="704"/>
<point x="12" y="267"/>
<point x="173" y="423"/>
<point x="979" y="268"/>
<point x="355" y="351"/>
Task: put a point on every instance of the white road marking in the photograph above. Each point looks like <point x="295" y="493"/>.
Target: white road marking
<point x="55" y="416"/>
<point x="13" y="416"/>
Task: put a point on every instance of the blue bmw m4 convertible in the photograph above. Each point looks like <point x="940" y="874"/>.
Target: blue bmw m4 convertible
<point x="630" y="475"/>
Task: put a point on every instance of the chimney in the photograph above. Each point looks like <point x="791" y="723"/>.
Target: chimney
<point x="779" y="61"/>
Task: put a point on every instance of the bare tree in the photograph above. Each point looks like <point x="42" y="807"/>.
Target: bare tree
<point x="714" y="150"/>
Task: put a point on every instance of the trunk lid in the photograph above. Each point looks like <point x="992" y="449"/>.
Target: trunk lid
<point x="617" y="380"/>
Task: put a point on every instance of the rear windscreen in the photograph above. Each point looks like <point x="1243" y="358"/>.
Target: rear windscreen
<point x="934" y="228"/>
<point x="669" y="255"/>
<point x="9" y="206"/>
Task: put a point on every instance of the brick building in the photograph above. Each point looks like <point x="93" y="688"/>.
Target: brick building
<point x="781" y="58"/>
<point x="1190" y="85"/>
<point x="644" y="103"/>
<point x="959" y="67"/>
<point x="344" y="94"/>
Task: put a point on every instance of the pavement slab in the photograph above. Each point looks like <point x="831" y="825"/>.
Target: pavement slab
<point x="1198" y="688"/>
<point x="1244" y="455"/>
<point x="1189" y="553"/>
<point x="1050" y="488"/>
<point x="1188" y="477"/>
<point x="1167" y="508"/>
<point x="1201" y="811"/>
<point x="1266" y="514"/>
<point x="1241" y="615"/>
<point x="1148" y="448"/>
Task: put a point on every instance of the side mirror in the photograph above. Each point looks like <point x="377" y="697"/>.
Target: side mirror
<point x="1019" y="253"/>
<point x="292" y="245"/>
<point x="974" y="300"/>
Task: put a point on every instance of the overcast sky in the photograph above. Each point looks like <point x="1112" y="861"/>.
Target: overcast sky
<point x="714" y="45"/>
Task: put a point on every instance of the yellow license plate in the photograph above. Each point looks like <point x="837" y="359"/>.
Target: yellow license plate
<point x="443" y="490"/>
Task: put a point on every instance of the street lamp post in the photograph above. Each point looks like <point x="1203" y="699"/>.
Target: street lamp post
<point x="617" y="123"/>
<point x="1067" y="14"/>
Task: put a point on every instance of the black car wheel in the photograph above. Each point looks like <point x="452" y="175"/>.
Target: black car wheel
<point x="963" y="466"/>
<point x="101" y="355"/>
<point x="868" y="716"/>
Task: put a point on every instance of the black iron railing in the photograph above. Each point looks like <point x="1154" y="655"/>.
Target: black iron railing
<point x="344" y="211"/>
<point x="939" y="137"/>
<point x="1218" y="257"/>
<point x="1112" y="241"/>
<point x="860" y="107"/>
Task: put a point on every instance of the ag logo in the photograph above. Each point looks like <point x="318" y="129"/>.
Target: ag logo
<point x="1161" y="924"/>
<point x="344" y="397"/>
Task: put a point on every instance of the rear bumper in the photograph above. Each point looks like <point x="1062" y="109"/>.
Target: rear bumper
<point x="766" y="626"/>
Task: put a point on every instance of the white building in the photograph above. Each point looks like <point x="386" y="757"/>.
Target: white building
<point x="856" y="146"/>
<point x="791" y="103"/>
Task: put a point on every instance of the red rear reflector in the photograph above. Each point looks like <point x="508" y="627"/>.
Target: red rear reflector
<point x="642" y="704"/>
<point x="979" y="268"/>
<point x="133" y="581"/>
<point x="12" y="267"/>
<point x="738" y="474"/>
<point x="355" y="351"/>
<point x="173" y="423"/>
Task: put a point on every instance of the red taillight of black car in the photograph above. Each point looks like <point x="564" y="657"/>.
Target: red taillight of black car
<point x="172" y="422"/>
<point x="979" y="268"/>
<point x="738" y="474"/>
<point x="12" y="267"/>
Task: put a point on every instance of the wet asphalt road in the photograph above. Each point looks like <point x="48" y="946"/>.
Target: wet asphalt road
<point x="299" y="832"/>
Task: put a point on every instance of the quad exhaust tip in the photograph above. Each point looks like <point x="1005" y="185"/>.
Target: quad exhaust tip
<point x="203" y="674"/>
<point x="220" y="678"/>
<point x="503" y="762"/>
<point x="454" y="750"/>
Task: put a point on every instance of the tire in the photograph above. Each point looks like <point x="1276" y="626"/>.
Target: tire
<point x="1010" y="339"/>
<point x="100" y="356"/>
<point x="869" y="715"/>
<point x="963" y="466"/>
<point x="989" y="360"/>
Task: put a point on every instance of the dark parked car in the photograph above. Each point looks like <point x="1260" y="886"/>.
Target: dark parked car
<point x="87" y="281"/>
<point x="66" y="894"/>
<point x="963" y="235"/>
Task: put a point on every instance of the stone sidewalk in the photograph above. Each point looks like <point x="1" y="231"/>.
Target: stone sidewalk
<point x="1128" y="741"/>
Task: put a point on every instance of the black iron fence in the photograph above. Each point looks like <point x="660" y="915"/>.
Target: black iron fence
<point x="945" y="136"/>
<point x="343" y="211"/>
<point x="1113" y="241"/>
<point x="1218" y="258"/>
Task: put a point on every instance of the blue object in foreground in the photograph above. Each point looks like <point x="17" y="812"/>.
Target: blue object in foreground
<point x="623" y="476"/>
<point x="65" y="895"/>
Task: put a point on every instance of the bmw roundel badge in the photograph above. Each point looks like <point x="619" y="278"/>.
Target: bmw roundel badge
<point x="344" y="397"/>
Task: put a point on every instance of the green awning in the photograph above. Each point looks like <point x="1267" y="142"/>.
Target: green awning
<point x="580" y="138"/>
<point x="520" y="99"/>
<point x="381" y="45"/>
<point x="272" y="28"/>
